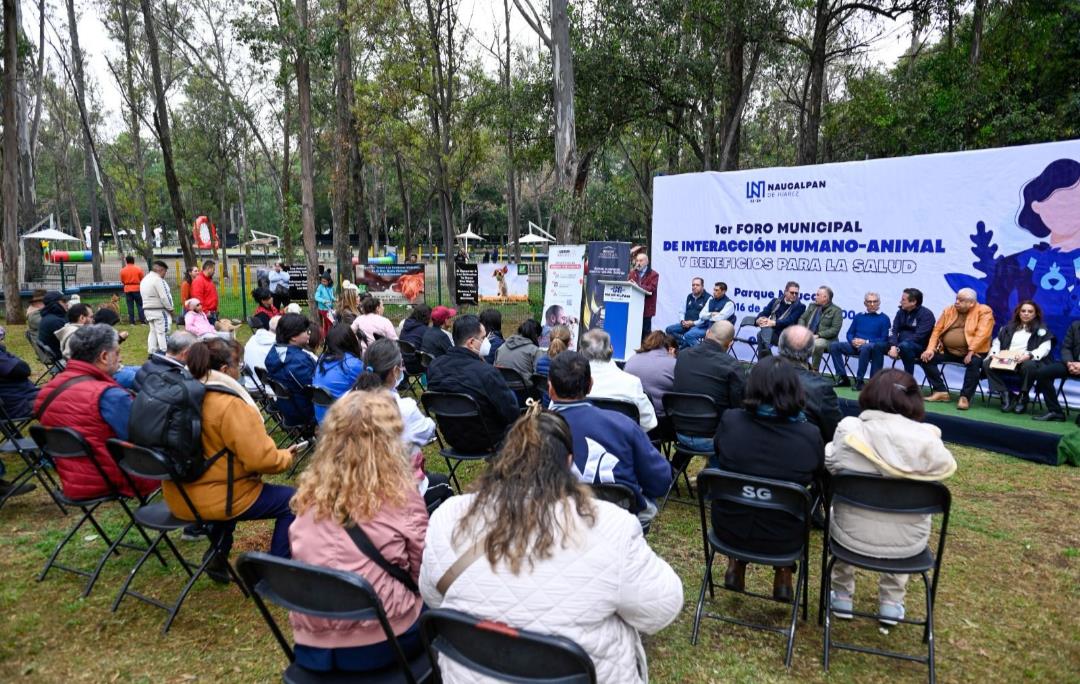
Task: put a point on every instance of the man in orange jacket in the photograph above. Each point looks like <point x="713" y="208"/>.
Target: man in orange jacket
<point x="131" y="275"/>
<point x="961" y="335"/>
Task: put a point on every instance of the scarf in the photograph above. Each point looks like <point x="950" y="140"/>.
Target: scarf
<point x="767" y="411"/>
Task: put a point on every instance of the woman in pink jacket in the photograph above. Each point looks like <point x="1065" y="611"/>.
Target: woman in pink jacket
<point x="360" y="476"/>
<point x="372" y="323"/>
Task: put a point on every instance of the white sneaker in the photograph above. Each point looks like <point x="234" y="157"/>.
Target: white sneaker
<point x="890" y="613"/>
<point x="841" y="605"/>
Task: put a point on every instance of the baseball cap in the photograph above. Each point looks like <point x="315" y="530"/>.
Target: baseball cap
<point x="54" y="296"/>
<point x="441" y="314"/>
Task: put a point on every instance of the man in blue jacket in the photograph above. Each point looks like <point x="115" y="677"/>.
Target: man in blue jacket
<point x="911" y="329"/>
<point x="866" y="338"/>
<point x="777" y="315"/>
<point x="719" y="308"/>
<point x="608" y="446"/>
<point x="695" y="302"/>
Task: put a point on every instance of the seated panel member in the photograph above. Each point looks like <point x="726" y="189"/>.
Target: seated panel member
<point x="777" y="315"/>
<point x="911" y="328"/>
<point x="961" y="335"/>
<point x="867" y="337"/>
<point x="695" y="302"/>
<point x="824" y="319"/>
<point x="719" y="308"/>
<point x="1026" y="334"/>
<point x="1068" y="367"/>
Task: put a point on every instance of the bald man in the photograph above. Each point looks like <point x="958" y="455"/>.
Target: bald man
<point x="961" y="335"/>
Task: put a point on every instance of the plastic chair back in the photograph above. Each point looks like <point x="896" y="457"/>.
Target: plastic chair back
<point x="627" y="408"/>
<point x="695" y="415"/>
<point x="460" y="421"/>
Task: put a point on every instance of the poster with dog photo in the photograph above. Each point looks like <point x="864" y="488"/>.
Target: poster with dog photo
<point x="502" y="282"/>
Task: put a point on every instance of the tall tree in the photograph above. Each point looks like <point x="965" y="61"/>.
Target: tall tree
<point x="10" y="255"/>
<point x="89" y="168"/>
<point x="343" y="87"/>
<point x="164" y="135"/>
<point x="513" y="233"/>
<point x="307" y="160"/>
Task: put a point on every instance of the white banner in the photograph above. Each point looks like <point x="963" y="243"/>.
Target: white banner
<point x="562" y="294"/>
<point x="1005" y="222"/>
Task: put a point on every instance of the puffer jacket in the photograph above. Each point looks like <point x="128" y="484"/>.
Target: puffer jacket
<point x="17" y="392"/>
<point x="295" y="369"/>
<point x="601" y="589"/>
<point x="889" y="445"/>
<point x="233" y="422"/>
<point x="53" y="317"/>
<point x="398" y="533"/>
<point x="519" y="353"/>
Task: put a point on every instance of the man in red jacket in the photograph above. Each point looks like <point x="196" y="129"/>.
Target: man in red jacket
<point x="87" y="383"/>
<point x="203" y="289"/>
<point x="648" y="280"/>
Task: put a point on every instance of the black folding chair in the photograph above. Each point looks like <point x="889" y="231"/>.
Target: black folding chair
<point x="291" y="432"/>
<point x="502" y="652"/>
<point x="414" y="370"/>
<point x="749" y="340"/>
<point x="143" y="462"/>
<point x="618" y="494"/>
<point x="540" y="383"/>
<point x="330" y="594"/>
<point x="53" y="364"/>
<point x="36" y="465"/>
<point x="890" y="496"/>
<point x="693" y="415"/>
<point x="627" y="408"/>
<point x="760" y="494"/>
<point x="64" y="443"/>
<point x="521" y="386"/>
<point x="320" y="396"/>
<point x="463" y="428"/>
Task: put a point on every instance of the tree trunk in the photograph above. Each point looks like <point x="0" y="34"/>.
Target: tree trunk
<point x="342" y="148"/>
<point x="406" y="203"/>
<point x="33" y="256"/>
<point x="161" y="123"/>
<point x="566" y="151"/>
<point x="808" y="136"/>
<point x="978" y="18"/>
<point x="513" y="231"/>
<point x="88" y="161"/>
<point x="244" y="234"/>
<point x="10" y="254"/>
<point x="135" y="101"/>
<point x="286" y="177"/>
<point x="307" y="162"/>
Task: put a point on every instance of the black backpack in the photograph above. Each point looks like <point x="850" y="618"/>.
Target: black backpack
<point x="167" y="416"/>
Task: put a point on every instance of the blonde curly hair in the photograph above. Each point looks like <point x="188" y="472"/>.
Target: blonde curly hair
<point x="360" y="463"/>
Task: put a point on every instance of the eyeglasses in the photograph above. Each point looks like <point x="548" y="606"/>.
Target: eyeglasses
<point x="871" y="301"/>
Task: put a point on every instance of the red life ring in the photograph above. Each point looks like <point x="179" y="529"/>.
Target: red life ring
<point x="205" y="233"/>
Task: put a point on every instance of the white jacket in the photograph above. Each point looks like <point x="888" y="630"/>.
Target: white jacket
<point x="255" y="351"/>
<point x="600" y="591"/>
<point x="611" y="382"/>
<point x="889" y="445"/>
<point x="155" y="292"/>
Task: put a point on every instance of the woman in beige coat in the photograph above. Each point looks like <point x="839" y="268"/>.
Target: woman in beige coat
<point x="886" y="439"/>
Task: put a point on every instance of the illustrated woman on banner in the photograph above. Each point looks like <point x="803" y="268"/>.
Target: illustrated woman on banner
<point x="1048" y="272"/>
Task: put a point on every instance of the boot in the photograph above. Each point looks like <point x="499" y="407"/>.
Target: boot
<point x="781" y="585"/>
<point x="735" y="576"/>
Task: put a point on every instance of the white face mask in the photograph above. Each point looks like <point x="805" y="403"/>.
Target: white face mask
<point x="485" y="348"/>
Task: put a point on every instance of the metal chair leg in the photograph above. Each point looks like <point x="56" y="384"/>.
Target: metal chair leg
<point x="705" y="581"/>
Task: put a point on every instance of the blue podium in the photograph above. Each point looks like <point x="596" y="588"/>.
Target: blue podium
<point x="624" y="306"/>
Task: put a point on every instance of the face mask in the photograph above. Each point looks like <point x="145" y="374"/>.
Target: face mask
<point x="485" y="348"/>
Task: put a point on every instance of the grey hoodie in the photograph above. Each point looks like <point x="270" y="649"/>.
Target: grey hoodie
<point x="519" y="353"/>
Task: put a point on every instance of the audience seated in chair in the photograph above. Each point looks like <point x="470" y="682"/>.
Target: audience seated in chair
<point x="611" y="382"/>
<point x="339" y="366"/>
<point x="258" y="347"/>
<point x="822" y="405"/>
<point x="383" y="359"/>
<point x="231" y="489"/>
<point x="770" y="437"/>
<point x="911" y="328"/>
<point x="371" y="322"/>
<point x="359" y="483"/>
<point x="709" y="369"/>
<point x="290" y="363"/>
<point x="559" y="339"/>
<point x="492" y="321"/>
<point x="462" y="370"/>
<point x="962" y="336"/>
<point x="520" y="351"/>
<point x="53" y="317"/>
<point x="867" y="337"/>
<point x="266" y="309"/>
<point x="1068" y="367"/>
<point x="78" y="315"/>
<point x="17" y="394"/>
<point x="654" y="365"/>
<point x="548" y="556"/>
<point x="888" y="438"/>
<point x="437" y="338"/>
<point x="824" y="319"/>
<point x="608" y="446"/>
<point x="86" y="398"/>
<point x="175" y="356"/>
<point x="1026" y="341"/>
<point x="778" y="314"/>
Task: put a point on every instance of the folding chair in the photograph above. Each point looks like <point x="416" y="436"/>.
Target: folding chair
<point x="463" y="427"/>
<point x="749" y="340"/>
<point x="502" y="652"/>
<point x="891" y="496"/>
<point x="761" y="494"/>
<point x="324" y="593"/>
<point x="618" y="494"/>
<point x="627" y="408"/>
<point x="693" y="415"/>
<point x="414" y="370"/>
<point x="540" y="383"/>
<point x="35" y="464"/>
<point x="942" y="366"/>
<point x="142" y="462"/>
<point x="521" y="386"/>
<point x="320" y="396"/>
<point x="62" y="443"/>
<point x="290" y="432"/>
<point x="53" y="365"/>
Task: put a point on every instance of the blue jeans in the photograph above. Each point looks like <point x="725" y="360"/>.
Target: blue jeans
<point x="359" y="658"/>
<point x="702" y="444"/>
<point x="869" y="354"/>
<point x="134" y="301"/>
<point x="909" y="354"/>
<point x="695" y="335"/>
<point x="271" y="504"/>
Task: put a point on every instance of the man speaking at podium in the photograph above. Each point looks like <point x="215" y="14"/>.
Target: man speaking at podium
<point x="648" y="280"/>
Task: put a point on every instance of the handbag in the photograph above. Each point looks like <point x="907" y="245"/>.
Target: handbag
<point x="363" y="542"/>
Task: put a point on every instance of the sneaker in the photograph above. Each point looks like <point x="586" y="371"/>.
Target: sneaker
<point x="890" y="613"/>
<point x="841" y="605"/>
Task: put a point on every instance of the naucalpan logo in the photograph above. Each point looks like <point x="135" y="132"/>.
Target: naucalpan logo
<point x="760" y="189"/>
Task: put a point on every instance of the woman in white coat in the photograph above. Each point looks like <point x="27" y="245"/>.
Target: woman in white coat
<point x="888" y="439"/>
<point x="549" y="557"/>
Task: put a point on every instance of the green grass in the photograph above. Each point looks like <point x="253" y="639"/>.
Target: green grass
<point x="1006" y="605"/>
